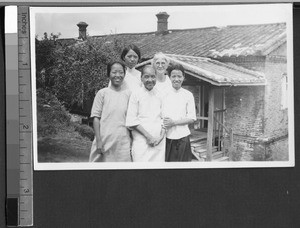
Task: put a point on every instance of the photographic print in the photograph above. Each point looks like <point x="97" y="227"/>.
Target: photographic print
<point x="162" y="87"/>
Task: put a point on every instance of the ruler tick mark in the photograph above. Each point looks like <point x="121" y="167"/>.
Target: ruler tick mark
<point x="25" y="213"/>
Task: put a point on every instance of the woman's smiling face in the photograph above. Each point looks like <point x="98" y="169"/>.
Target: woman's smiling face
<point x="160" y="65"/>
<point x="116" y="75"/>
<point x="176" y="78"/>
<point x="131" y="59"/>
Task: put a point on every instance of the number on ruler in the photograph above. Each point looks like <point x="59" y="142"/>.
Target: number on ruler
<point x="26" y="190"/>
<point x="25" y="126"/>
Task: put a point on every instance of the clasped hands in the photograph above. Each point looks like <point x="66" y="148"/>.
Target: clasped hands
<point x="167" y="123"/>
<point x="152" y="141"/>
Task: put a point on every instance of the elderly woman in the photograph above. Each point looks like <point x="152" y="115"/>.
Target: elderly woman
<point x="145" y="119"/>
<point x="160" y="63"/>
<point x="178" y="111"/>
<point x="112" y="140"/>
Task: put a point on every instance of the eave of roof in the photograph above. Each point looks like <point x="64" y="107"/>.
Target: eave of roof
<point x="215" y="72"/>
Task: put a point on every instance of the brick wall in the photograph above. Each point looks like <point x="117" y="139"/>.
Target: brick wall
<point x="273" y="66"/>
<point x="245" y="110"/>
<point x="278" y="150"/>
<point x="256" y="112"/>
<point x="276" y="118"/>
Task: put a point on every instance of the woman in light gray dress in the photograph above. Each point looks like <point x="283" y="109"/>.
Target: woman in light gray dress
<point x="112" y="140"/>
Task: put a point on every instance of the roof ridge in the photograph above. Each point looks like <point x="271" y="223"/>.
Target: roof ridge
<point x="243" y="25"/>
<point x="188" y="29"/>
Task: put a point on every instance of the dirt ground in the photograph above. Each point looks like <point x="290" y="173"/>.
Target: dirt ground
<point x="64" y="147"/>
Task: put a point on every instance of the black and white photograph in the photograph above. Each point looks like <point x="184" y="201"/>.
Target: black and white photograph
<point x="161" y="87"/>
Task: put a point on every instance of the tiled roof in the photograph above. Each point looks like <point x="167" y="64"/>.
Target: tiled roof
<point x="215" y="72"/>
<point x="238" y="40"/>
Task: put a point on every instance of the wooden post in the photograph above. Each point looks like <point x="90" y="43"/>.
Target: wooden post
<point x="211" y="101"/>
<point x="230" y="145"/>
<point x="202" y="105"/>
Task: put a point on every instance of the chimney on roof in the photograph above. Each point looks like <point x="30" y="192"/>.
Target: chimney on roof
<point x="82" y="30"/>
<point x="162" y="22"/>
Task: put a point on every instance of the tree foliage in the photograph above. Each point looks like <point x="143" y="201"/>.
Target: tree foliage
<point x="75" y="72"/>
<point x="45" y="59"/>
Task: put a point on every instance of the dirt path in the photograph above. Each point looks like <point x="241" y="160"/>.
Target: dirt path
<point x="64" y="147"/>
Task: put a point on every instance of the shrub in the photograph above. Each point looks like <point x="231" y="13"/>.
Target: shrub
<point x="84" y="130"/>
<point x="51" y="114"/>
<point x="80" y="69"/>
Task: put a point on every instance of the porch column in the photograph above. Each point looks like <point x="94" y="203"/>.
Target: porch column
<point x="211" y="101"/>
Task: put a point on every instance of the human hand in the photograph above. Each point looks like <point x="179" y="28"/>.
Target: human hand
<point x="168" y="122"/>
<point x="151" y="140"/>
<point x="158" y="140"/>
<point x="99" y="148"/>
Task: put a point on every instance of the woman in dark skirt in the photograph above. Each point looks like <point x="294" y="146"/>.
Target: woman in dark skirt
<point x="178" y="111"/>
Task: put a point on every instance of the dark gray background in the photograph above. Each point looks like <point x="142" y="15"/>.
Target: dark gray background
<point x="256" y="197"/>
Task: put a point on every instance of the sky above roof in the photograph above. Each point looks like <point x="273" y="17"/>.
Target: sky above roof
<point x="111" y="20"/>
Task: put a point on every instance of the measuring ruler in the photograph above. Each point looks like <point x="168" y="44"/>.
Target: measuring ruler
<point x="24" y="199"/>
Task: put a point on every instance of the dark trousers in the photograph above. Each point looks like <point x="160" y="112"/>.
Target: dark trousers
<point x="178" y="149"/>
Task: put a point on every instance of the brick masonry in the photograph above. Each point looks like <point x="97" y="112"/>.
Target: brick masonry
<point x="245" y="110"/>
<point x="259" y="123"/>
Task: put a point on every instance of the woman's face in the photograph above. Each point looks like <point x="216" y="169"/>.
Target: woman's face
<point x="116" y="75"/>
<point x="131" y="59"/>
<point x="176" y="78"/>
<point x="160" y="65"/>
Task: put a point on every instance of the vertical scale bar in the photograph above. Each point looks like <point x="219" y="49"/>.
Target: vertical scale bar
<point x="25" y="119"/>
<point x="12" y="129"/>
<point x="12" y="117"/>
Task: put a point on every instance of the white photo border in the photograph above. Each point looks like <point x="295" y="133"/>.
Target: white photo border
<point x="166" y="165"/>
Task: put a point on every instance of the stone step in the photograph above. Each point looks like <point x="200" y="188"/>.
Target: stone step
<point x="197" y="144"/>
<point x="197" y="139"/>
<point x="221" y="159"/>
<point x="202" y="150"/>
<point x="215" y="155"/>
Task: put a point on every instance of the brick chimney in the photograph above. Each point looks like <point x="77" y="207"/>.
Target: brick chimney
<point x="82" y="30"/>
<point x="162" y="22"/>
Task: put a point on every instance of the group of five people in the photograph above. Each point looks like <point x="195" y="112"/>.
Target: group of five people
<point x="142" y="116"/>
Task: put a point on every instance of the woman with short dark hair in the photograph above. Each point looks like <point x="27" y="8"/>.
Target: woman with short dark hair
<point x="112" y="140"/>
<point x="178" y="111"/>
<point x="131" y="55"/>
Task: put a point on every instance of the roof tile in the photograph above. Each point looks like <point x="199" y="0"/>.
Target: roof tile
<point x="215" y="72"/>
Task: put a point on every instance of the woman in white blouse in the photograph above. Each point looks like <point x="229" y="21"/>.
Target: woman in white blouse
<point x="131" y="55"/>
<point x="178" y="111"/>
<point x="160" y="63"/>
<point x="145" y="119"/>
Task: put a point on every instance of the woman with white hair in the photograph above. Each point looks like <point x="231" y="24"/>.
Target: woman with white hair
<point x="160" y="63"/>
